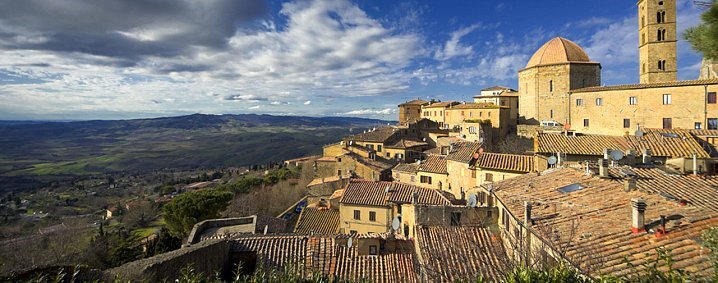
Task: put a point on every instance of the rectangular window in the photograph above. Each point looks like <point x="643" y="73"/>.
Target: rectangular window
<point x="378" y="148"/>
<point x="585" y="122"/>
<point x="372" y="215"/>
<point x="668" y="123"/>
<point x="425" y="180"/>
<point x="711" y="98"/>
<point x="373" y="250"/>
<point x="579" y="101"/>
<point x="339" y="172"/>
<point x="666" y="99"/>
<point x="388" y="154"/>
<point x="599" y="101"/>
<point x="713" y="123"/>
<point x="626" y="123"/>
<point x="357" y="215"/>
<point x="455" y="218"/>
<point x="698" y="125"/>
<point x="489" y="177"/>
<point x="473" y="174"/>
<point x="413" y="179"/>
<point x="632" y="100"/>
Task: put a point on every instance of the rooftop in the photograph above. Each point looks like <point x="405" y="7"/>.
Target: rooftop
<point x="441" y="104"/>
<point x="381" y="135"/>
<point x="317" y="220"/>
<point x="383" y="193"/>
<point x="463" y="151"/>
<point x="506" y="162"/>
<point x="496" y="88"/>
<point x="592" y="225"/>
<point x="434" y="164"/>
<point x="406" y="168"/>
<point x="418" y="102"/>
<point x="644" y="86"/>
<point x="681" y="144"/>
<point x="558" y="51"/>
<point x="471" y="105"/>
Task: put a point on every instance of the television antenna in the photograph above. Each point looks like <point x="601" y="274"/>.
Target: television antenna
<point x="552" y="160"/>
<point x="472" y="200"/>
<point x="616" y="154"/>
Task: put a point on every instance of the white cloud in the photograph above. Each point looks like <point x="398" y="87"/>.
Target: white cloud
<point x="326" y="49"/>
<point x="307" y="102"/>
<point x="453" y="47"/>
<point x="385" y="111"/>
<point x="253" y="107"/>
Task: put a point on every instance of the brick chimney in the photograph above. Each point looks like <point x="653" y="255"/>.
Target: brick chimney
<point x="647" y="156"/>
<point x="603" y="168"/>
<point x="527" y="214"/>
<point x="629" y="183"/>
<point x="638" y="208"/>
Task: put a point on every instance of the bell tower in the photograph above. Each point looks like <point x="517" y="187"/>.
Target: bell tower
<point x="657" y="41"/>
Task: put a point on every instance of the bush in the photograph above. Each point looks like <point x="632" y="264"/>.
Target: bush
<point x="190" y="208"/>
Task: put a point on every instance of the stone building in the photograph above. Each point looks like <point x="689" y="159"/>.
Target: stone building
<point x="556" y="68"/>
<point x="411" y="110"/>
<point x="502" y="96"/>
<point x="657" y="41"/>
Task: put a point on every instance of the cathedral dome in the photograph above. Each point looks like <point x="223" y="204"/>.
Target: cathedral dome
<point x="556" y="51"/>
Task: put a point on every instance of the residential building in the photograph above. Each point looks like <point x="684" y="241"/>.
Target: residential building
<point x="410" y="111"/>
<point x="502" y="96"/>
<point x="493" y="167"/>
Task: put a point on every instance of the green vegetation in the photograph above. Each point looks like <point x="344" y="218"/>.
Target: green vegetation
<point x="189" y="208"/>
<point x="704" y="37"/>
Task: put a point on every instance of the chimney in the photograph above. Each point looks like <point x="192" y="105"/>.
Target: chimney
<point x="603" y="168"/>
<point x="647" y="156"/>
<point x="638" y="215"/>
<point x="606" y="153"/>
<point x="629" y="184"/>
<point x="527" y="213"/>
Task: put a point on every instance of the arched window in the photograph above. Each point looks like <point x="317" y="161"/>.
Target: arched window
<point x="643" y="21"/>
<point x="643" y="68"/>
<point x="643" y="38"/>
<point x="661" y="17"/>
<point x="662" y="65"/>
<point x="661" y="34"/>
<point x="550" y="86"/>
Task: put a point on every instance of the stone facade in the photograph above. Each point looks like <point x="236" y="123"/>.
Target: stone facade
<point x="623" y="109"/>
<point x="657" y="41"/>
<point x="544" y="89"/>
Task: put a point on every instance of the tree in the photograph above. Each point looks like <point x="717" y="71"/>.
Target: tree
<point x="189" y="208"/>
<point x="704" y="37"/>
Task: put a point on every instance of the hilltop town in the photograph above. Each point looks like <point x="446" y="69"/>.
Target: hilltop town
<point x="604" y="180"/>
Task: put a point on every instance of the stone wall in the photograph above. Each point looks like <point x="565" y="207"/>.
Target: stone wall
<point x="207" y="257"/>
<point x="529" y="131"/>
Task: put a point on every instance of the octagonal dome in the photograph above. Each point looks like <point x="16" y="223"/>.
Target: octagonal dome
<point x="557" y="51"/>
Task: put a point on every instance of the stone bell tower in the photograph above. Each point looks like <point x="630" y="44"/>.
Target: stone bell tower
<point x="657" y="41"/>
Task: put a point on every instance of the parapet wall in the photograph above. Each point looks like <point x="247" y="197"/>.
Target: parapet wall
<point x="196" y="234"/>
<point x="207" y="257"/>
<point x="529" y="131"/>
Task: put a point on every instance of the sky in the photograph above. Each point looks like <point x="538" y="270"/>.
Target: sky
<point x="123" y="59"/>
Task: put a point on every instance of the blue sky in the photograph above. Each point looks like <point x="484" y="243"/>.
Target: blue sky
<point x="87" y="59"/>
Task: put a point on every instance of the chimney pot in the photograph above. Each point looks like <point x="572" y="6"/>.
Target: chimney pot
<point x="603" y="168"/>
<point x="629" y="184"/>
<point x="527" y="214"/>
<point x="638" y="215"/>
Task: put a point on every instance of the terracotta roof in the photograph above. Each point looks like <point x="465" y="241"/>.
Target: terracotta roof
<point x="643" y="86"/>
<point x="441" y="104"/>
<point x="317" y="220"/>
<point x="496" y="88"/>
<point x="700" y="191"/>
<point x="326" y="256"/>
<point x="681" y="145"/>
<point x="327" y="159"/>
<point x="471" y="252"/>
<point x="375" y="194"/>
<point x="507" y="162"/>
<point x="406" y="143"/>
<point x="434" y="164"/>
<point x="319" y="181"/>
<point x="463" y="151"/>
<point x="406" y="167"/>
<point x="592" y="224"/>
<point x="415" y="102"/>
<point x="381" y="134"/>
<point x="472" y="105"/>
<point x="557" y="51"/>
<point x="379" y="164"/>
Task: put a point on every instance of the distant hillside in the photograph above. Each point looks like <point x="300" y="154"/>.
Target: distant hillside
<point x="33" y="149"/>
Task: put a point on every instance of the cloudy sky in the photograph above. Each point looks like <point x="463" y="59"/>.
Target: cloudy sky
<point x="111" y="59"/>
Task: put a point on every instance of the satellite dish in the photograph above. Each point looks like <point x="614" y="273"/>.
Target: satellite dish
<point x="552" y="160"/>
<point x="481" y="140"/>
<point x="396" y="223"/>
<point x="639" y="133"/>
<point x="616" y="154"/>
<point x="350" y="243"/>
<point x="472" y="200"/>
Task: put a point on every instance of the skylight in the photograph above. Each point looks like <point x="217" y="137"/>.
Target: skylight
<point x="570" y="188"/>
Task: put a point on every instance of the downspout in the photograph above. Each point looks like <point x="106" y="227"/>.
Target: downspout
<point x="705" y="107"/>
